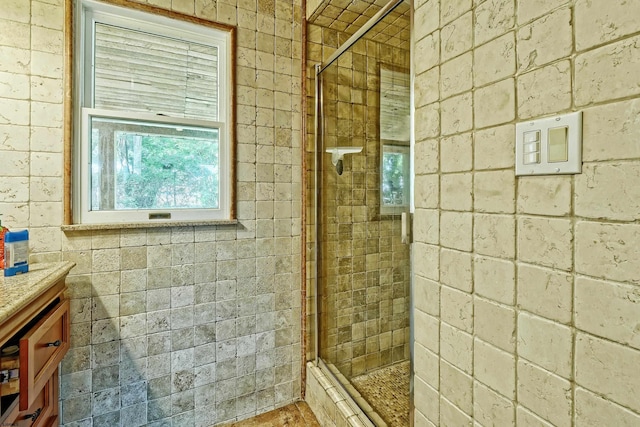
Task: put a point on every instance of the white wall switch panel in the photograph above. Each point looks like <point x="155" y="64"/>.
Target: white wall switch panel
<point x="550" y="146"/>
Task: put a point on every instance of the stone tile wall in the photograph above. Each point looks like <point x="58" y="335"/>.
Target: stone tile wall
<point x="526" y="289"/>
<point x="365" y="267"/>
<point x="173" y="326"/>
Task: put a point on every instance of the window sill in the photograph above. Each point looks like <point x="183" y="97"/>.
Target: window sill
<point x="155" y="224"/>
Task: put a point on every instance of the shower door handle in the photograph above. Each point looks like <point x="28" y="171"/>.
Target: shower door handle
<point x="406" y="227"/>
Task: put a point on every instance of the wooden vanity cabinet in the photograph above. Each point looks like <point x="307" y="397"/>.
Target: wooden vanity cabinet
<point x="41" y="330"/>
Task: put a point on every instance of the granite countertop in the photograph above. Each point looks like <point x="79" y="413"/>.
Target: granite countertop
<point x="17" y="291"/>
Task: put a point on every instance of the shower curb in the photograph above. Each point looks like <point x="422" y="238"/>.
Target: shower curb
<point x="332" y="406"/>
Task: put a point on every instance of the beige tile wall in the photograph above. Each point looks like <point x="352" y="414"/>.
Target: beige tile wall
<point x="526" y="289"/>
<point x="365" y="266"/>
<point x="175" y="326"/>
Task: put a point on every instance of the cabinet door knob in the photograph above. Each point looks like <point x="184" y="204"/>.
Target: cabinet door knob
<point x="34" y="416"/>
<point x="56" y="343"/>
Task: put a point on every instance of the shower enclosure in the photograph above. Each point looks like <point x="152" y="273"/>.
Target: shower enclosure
<point x="358" y="165"/>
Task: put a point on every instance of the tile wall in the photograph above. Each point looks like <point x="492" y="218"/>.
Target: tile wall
<point x="526" y="289"/>
<point x="365" y="270"/>
<point x="174" y="326"/>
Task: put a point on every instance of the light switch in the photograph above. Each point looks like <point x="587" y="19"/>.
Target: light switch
<point x="558" y="144"/>
<point x="549" y="145"/>
<point x="531" y="158"/>
<point x="533" y="136"/>
<point x="531" y="147"/>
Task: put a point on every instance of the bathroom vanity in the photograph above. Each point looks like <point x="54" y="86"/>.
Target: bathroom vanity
<point x="34" y="337"/>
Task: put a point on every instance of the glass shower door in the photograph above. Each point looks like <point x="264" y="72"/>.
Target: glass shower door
<point x="364" y="272"/>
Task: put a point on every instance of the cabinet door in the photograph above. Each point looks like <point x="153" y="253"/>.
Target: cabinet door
<point x="41" y="349"/>
<point x="43" y="411"/>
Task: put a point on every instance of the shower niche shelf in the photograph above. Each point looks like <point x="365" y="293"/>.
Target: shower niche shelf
<point x="337" y="154"/>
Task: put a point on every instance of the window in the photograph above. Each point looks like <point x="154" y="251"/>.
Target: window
<point x="153" y="131"/>
<point x="395" y="168"/>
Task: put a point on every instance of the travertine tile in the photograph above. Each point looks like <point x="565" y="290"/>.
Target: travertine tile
<point x="619" y="118"/>
<point x="426" y="18"/>
<point x="608" y="191"/>
<point x="592" y="410"/>
<point x="428" y="49"/>
<point x="426" y="225"/>
<point x="607" y="73"/>
<point x="452" y="9"/>
<point x="528" y="10"/>
<point x="495" y="368"/>
<point x="428" y="88"/>
<point x="429" y="406"/>
<point x="455" y="269"/>
<point x="493" y="18"/>
<point x="607" y="309"/>
<point x="456" y="308"/>
<point x="456" y="191"/>
<point x="456" y="386"/>
<point x="494" y="104"/>
<point x="428" y="332"/>
<point x="494" y="279"/>
<point x="491" y="408"/>
<point x="545" y="343"/>
<point x="545" y="292"/>
<point x="456" y="347"/>
<point x="542" y="195"/>
<point x="493" y="235"/>
<point x="451" y="414"/>
<point x="544" y="393"/>
<point x="494" y="148"/>
<point x="427" y="191"/>
<point x="495" y="60"/>
<point x="427" y="296"/>
<point x="456" y="230"/>
<point x="456" y="153"/>
<point x="495" y="324"/>
<point x="536" y="48"/>
<point x="608" y="251"/>
<point x="456" y="38"/>
<point x="457" y="114"/>
<point x="546" y="242"/>
<point x="545" y="90"/>
<point x="427" y="365"/>
<point x="494" y="191"/>
<point x="456" y="75"/>
<point x="608" y="368"/>
<point x="602" y="21"/>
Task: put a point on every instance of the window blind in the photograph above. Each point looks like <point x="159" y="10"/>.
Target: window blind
<point x="143" y="72"/>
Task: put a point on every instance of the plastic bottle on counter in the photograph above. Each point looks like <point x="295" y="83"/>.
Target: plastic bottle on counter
<point x="3" y="231"/>
<point x="16" y="252"/>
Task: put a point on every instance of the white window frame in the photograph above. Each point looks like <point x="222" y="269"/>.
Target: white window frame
<point x="90" y="12"/>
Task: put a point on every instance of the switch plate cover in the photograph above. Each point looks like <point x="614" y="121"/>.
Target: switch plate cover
<point x="571" y="125"/>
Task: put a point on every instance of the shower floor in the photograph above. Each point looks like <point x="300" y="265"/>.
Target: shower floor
<point x="387" y="390"/>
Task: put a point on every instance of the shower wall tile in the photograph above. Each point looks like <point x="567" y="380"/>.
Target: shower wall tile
<point x="594" y="409"/>
<point x="544" y="327"/>
<point x="494" y="60"/>
<point x="456" y="153"/>
<point x="456" y="191"/>
<point x="457" y="37"/>
<point x="491" y="408"/>
<point x="456" y="387"/>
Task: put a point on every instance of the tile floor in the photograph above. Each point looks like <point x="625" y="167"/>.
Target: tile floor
<point x="387" y="391"/>
<point x="294" y="415"/>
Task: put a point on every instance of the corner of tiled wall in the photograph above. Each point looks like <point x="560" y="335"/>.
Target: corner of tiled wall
<point x="526" y="289"/>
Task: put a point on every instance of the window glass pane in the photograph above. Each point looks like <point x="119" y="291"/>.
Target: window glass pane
<point x="145" y="165"/>
<point x="395" y="163"/>
<point x="138" y="71"/>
